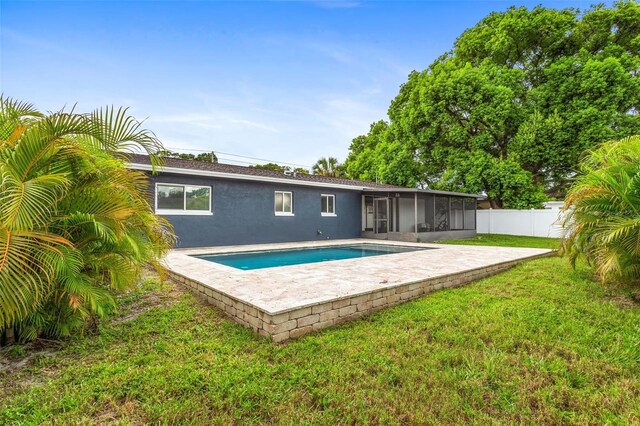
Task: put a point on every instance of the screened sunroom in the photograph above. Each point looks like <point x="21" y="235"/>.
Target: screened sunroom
<point x="418" y="215"/>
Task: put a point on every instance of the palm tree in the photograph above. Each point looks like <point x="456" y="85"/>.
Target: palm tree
<point x="603" y="212"/>
<point x="328" y="166"/>
<point x="75" y="223"/>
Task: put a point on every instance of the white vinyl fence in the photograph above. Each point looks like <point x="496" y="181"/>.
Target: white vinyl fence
<point x="534" y="222"/>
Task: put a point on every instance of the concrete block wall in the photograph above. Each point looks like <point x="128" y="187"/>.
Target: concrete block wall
<point x="290" y="324"/>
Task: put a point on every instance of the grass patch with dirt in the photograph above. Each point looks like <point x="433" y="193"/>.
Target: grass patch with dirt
<point x="541" y="343"/>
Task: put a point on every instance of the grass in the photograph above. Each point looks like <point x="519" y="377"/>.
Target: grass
<point x="540" y="344"/>
<point x="507" y="241"/>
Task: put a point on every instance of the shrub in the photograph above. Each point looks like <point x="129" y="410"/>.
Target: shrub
<point x="603" y="212"/>
<point x="75" y="223"/>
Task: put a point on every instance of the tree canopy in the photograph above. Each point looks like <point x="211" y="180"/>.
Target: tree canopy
<point x="329" y="166"/>
<point x="511" y="108"/>
<point x="278" y="168"/>
<point x="209" y="157"/>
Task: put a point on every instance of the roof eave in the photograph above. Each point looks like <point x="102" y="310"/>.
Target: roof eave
<point x="423" y="191"/>
<point x="237" y="176"/>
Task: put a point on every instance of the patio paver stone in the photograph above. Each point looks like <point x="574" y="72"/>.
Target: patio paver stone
<point x="289" y="301"/>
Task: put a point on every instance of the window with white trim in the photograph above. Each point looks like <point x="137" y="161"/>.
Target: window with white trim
<point x="183" y="199"/>
<point x="328" y="205"/>
<point x="284" y="203"/>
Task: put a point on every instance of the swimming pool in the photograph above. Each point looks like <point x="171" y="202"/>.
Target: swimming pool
<point x="270" y="259"/>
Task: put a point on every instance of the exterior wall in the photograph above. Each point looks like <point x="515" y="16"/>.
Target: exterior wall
<point x="534" y="222"/>
<point x="243" y="213"/>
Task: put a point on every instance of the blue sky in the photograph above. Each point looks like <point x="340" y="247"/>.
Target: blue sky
<point x="285" y="81"/>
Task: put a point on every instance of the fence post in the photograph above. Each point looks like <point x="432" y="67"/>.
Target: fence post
<point x="533" y="222"/>
<point x="490" y="219"/>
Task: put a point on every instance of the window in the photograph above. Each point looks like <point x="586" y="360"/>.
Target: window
<point x="284" y="203"/>
<point x="183" y="199"/>
<point x="328" y="205"/>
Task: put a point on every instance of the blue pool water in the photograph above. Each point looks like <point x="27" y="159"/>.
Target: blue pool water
<point x="270" y="259"/>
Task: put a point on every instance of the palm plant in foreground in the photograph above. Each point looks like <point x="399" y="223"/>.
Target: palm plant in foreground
<point x="75" y="223"/>
<point x="603" y="212"/>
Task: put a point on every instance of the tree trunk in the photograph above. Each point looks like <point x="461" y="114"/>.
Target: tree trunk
<point x="10" y="338"/>
<point x="495" y="204"/>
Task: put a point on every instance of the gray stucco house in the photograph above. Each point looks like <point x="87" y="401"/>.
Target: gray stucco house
<point x="211" y="204"/>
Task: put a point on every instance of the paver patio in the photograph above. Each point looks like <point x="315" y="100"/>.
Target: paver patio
<point x="290" y="301"/>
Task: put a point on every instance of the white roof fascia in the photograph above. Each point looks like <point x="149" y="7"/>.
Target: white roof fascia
<point x="223" y="175"/>
<point x="423" y="191"/>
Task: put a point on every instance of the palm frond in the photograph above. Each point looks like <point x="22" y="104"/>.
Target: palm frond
<point x="118" y="132"/>
<point x="13" y="116"/>
<point x="75" y="223"/>
<point x="603" y="211"/>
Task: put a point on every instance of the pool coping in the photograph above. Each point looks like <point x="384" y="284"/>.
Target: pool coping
<point x="276" y="250"/>
<point x="291" y="316"/>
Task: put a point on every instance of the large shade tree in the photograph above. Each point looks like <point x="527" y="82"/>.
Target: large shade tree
<point x="75" y="223"/>
<point x="510" y="109"/>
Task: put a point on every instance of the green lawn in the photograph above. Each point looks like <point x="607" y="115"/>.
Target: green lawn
<point x="538" y="344"/>
<point x="507" y="241"/>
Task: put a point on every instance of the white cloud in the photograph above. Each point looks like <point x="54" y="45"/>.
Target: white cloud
<point x="48" y="47"/>
<point x="255" y="124"/>
<point x="296" y="128"/>
<point x="197" y="120"/>
<point x="211" y="121"/>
